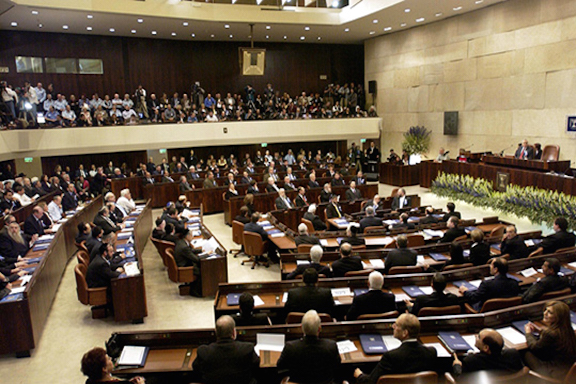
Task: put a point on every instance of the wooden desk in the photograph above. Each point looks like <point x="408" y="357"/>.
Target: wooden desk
<point x="400" y="175"/>
<point x="533" y="165"/>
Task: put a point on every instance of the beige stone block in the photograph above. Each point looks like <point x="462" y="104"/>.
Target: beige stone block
<point x="517" y="64"/>
<point x="512" y="15"/>
<point x="384" y="80"/>
<point x="398" y="122"/>
<point x="394" y="100"/>
<point x="448" y="97"/>
<point x="432" y="74"/>
<point x="494" y="66"/>
<point x="419" y="99"/>
<point x="541" y="34"/>
<point x="433" y="121"/>
<point x="538" y="124"/>
<point x="375" y="65"/>
<point x="474" y="24"/>
<point x="568" y="27"/>
<point x="407" y="77"/>
<point x="557" y="9"/>
<point x="491" y="94"/>
<point x="461" y="70"/>
<point x="561" y="89"/>
<point x="445" y="53"/>
<point x="551" y="57"/>
<point x="492" y="123"/>
<point x="497" y="43"/>
<point x="529" y="91"/>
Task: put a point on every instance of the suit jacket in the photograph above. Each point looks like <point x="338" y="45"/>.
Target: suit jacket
<point x="401" y="257"/>
<point x="428" y="219"/>
<point x="544" y="285"/>
<point x="250" y="320"/>
<point x="183" y="187"/>
<point x="529" y="153"/>
<point x="373" y="301"/>
<point x="337" y="182"/>
<point x="92" y="242"/>
<point x="310" y="360"/>
<point x="281" y="204"/>
<point x="313" y="184"/>
<point x="228" y="195"/>
<point x="254" y="227"/>
<point x="178" y="225"/>
<point x="480" y="253"/>
<point x="100" y="273"/>
<point x="370" y="221"/>
<point x="353" y="195"/>
<point x="11" y="249"/>
<point x="435" y="299"/>
<point x="353" y="240"/>
<point x="12" y="205"/>
<point x="333" y="210"/>
<point x="303" y="299"/>
<point x="209" y="184"/>
<point x="69" y="201"/>
<point x="321" y="269"/>
<point x="270" y="188"/>
<point x="252" y="190"/>
<point x="226" y="361"/>
<point x="396" y="203"/>
<point x="508" y="360"/>
<point x="33" y="226"/>
<point x="289" y="187"/>
<point x="106" y="225"/>
<point x="500" y="286"/>
<point x="306" y="239"/>
<point x="410" y="357"/>
<point x="186" y="256"/>
<point x="560" y="239"/>
<point x="325" y="196"/>
<point x="245" y="180"/>
<point x="149" y="181"/>
<point x="402" y="225"/>
<point x="370" y="203"/>
<point x="300" y="202"/>
<point x="316" y="221"/>
<point x="451" y="234"/>
<point x="242" y="219"/>
<point x="346" y="264"/>
<point x="450" y="214"/>
<point x="359" y="181"/>
<point x="515" y="247"/>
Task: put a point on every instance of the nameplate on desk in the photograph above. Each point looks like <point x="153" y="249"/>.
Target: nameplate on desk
<point x="336" y="292"/>
<point x="438" y="256"/>
<point x="133" y="356"/>
<point x="281" y="234"/>
<point x="33" y="260"/>
<point x="454" y="342"/>
<point x="413" y="290"/>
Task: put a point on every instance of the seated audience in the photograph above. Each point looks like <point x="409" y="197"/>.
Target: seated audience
<point x="401" y="201"/>
<point x="70" y="198"/>
<point x="98" y="366"/>
<point x="95" y="239"/>
<point x="159" y="231"/>
<point x="400" y="257"/>
<point x="326" y="193"/>
<point x="246" y="317"/>
<point x="33" y="225"/>
<point x="104" y="221"/>
<point x="316" y="221"/>
<point x="370" y="220"/>
<point x="513" y="245"/>
<point x="429" y="218"/>
<point x="549" y="283"/>
<point x="125" y="201"/>
<point x="442" y="155"/>
<point x="282" y="202"/>
<point x="303" y="299"/>
<point x="451" y="212"/>
<point x="561" y="238"/>
<point x="303" y="236"/>
<point x="456" y="255"/>
<point x="374" y="301"/>
<point x="436" y="299"/>
<point x="84" y="233"/>
<point x="13" y="243"/>
<point x="346" y="262"/>
<point x="453" y="232"/>
<point x="301" y="200"/>
<point x="352" y="236"/>
<point x="231" y="192"/>
<point x="479" y="250"/>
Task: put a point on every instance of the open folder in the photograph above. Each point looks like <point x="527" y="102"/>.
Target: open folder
<point x="134" y="356"/>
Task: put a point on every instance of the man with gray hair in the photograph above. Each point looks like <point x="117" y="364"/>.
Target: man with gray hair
<point x="125" y="201"/>
<point x="316" y="221"/>
<point x="315" y="256"/>
<point x="369" y="220"/>
<point x="282" y="202"/>
<point x="401" y="257"/>
<point x="227" y="360"/>
<point x="374" y="301"/>
<point x="310" y="359"/>
<point x="303" y="236"/>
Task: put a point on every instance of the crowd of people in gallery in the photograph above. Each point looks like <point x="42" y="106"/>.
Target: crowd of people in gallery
<point x="32" y="106"/>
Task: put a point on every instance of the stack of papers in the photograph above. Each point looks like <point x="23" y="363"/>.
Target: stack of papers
<point x="528" y="272"/>
<point x="324" y="242"/>
<point x="442" y="352"/>
<point x="133" y="356"/>
<point x="302" y="262"/>
<point x="269" y="342"/>
<point x="377" y="263"/>
<point x="512" y="335"/>
<point x="346" y="346"/>
<point x="131" y="269"/>
<point x="433" y="233"/>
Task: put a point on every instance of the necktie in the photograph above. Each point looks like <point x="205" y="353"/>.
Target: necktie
<point x="337" y="211"/>
<point x="522" y="154"/>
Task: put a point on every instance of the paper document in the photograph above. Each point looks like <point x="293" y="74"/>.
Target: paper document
<point x="366" y="265"/>
<point x="210" y="245"/>
<point x="281" y="234"/>
<point x="528" y="272"/>
<point x="512" y="335"/>
<point x="346" y="346"/>
<point x="471" y="340"/>
<point x="391" y="342"/>
<point x="400" y="297"/>
<point x="420" y="260"/>
<point x="258" y="301"/>
<point x="377" y="263"/>
<point x="55" y="227"/>
<point x="18" y="290"/>
<point x="45" y="237"/>
<point x="302" y="262"/>
<point x="263" y="223"/>
<point x="476" y="283"/>
<point x="25" y="279"/>
<point x="132" y="355"/>
<point x="341" y="292"/>
<point x="442" y="352"/>
<point x="269" y="342"/>
<point x="427" y="290"/>
<point x="131" y="269"/>
<point x="529" y="242"/>
<point x="573" y="264"/>
<point x="324" y="242"/>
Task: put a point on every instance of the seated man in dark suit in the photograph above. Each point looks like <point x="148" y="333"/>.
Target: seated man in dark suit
<point x="148" y="179"/>
<point x="549" y="283"/>
<point x="334" y="210"/>
<point x="524" y="151"/>
<point x="70" y="198"/>
<point x="429" y="218"/>
<point x="246" y="178"/>
<point x="337" y="180"/>
<point x="102" y="219"/>
<point x="159" y="232"/>
<point x="282" y="201"/>
<point x="500" y="286"/>
<point x="310" y="359"/>
<point x="401" y="257"/>
<point x="303" y="299"/>
<point x="352" y="236"/>
<point x="303" y="236"/>
<point x="479" y="250"/>
<point x="231" y="192"/>
<point x="100" y="272"/>
<point x="312" y="183"/>
<point x="33" y="225"/>
<point x="246" y="317"/>
<point x="326" y="193"/>
<point x="403" y="224"/>
<point x="359" y="178"/>
<point x="401" y="200"/>
<point x="272" y="187"/>
<point x="288" y="184"/>
<point x="301" y="200"/>
<point x="451" y="212"/>
<point x="436" y="299"/>
<point x="346" y="263"/>
<point x="209" y="181"/>
<point x="370" y="220"/>
<point x="253" y="188"/>
<point x="171" y="235"/>
<point x="95" y="239"/>
<point x="227" y="360"/>
<point x="453" y="231"/>
<point x="184" y="185"/>
<point x="373" y="301"/>
<point x="560" y="239"/>
<point x="493" y="356"/>
<point x="253" y="226"/>
<point x="315" y="257"/>
<point x="186" y="255"/>
<point x="171" y="217"/>
<point x="513" y="245"/>
<point x="410" y="357"/>
<point x="243" y="217"/>
<point x="84" y="233"/>
<point x="353" y="193"/>
<point x="316" y="221"/>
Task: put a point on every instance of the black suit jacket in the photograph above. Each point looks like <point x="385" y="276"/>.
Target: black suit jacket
<point x="306" y="239"/>
<point x="560" y="239"/>
<point x="353" y="195"/>
<point x="92" y="242"/>
<point x="428" y="219"/>
<point x="186" y="256"/>
<point x="325" y="196"/>
<point x="410" y="357"/>
<point x="435" y="299"/>
<point x="33" y="226"/>
<point x="310" y="360"/>
<point x="316" y="221"/>
<point x="353" y="240"/>
<point x="544" y="285"/>
<point x="396" y="203"/>
<point x="346" y="264"/>
<point x="529" y="153"/>
<point x="451" y="234"/>
<point x="251" y="320"/>
<point x="332" y="211"/>
<point x="252" y="190"/>
<point x="69" y="201"/>
<point x="500" y="286"/>
<point x="321" y="269"/>
<point x="515" y="247"/>
<point x="100" y="273"/>
<point x="508" y="360"/>
<point x="313" y="184"/>
<point x="479" y="253"/>
<point x="300" y="202"/>
<point x="370" y="221"/>
<point x="450" y="214"/>
<point x="11" y="249"/>
<point x="245" y="180"/>
<point x="226" y="361"/>
<point x="303" y="299"/>
<point x="280" y="204"/>
<point x="400" y="257"/>
<point x="107" y="227"/>
<point x="373" y="301"/>
<point x="253" y="227"/>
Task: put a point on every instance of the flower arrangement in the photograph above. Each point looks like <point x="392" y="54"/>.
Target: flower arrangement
<point x="538" y="205"/>
<point x="416" y="140"/>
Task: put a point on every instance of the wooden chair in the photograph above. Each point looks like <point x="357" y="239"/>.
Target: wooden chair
<point x="363" y="205"/>
<point x="405" y="270"/>
<point x="254" y="247"/>
<point x="497" y="231"/>
<point x="415" y="241"/>
<point x="537" y="252"/>
<point x="390" y="245"/>
<point x="374" y="229"/>
<point x="179" y="274"/>
<point x="569" y="379"/>
<point x="490" y="220"/>
<point x="81" y="246"/>
<point x="394" y="192"/>
<point x="362" y="272"/>
<point x="296" y="318"/>
<point x="378" y="316"/>
<point x="439" y="311"/>
<point x="309" y="224"/>
<point x="237" y="237"/>
<point x="305" y="248"/>
<point x="553" y="294"/>
<point x="83" y="258"/>
<point x="162" y="246"/>
<point x="96" y="297"/>
<point x="358" y="247"/>
<point x="457" y="266"/>
<point x="427" y="377"/>
<point x="551" y="153"/>
<point x="513" y="378"/>
<point x="461" y="238"/>
<point x="495" y="304"/>
<point x="567" y="249"/>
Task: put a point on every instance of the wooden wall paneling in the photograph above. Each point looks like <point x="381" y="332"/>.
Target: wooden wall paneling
<point x="132" y="159"/>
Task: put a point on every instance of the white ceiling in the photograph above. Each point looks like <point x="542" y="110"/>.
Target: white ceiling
<point x="363" y="19"/>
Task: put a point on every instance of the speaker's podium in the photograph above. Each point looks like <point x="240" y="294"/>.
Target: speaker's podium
<point x="372" y="170"/>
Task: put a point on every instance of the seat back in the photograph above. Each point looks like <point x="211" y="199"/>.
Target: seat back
<point x="305" y="248"/>
<point x="404" y="270"/>
<point x="253" y="244"/>
<point x="460" y="238"/>
<point x="497" y="231"/>
<point x="362" y="272"/>
<point x="571" y="375"/>
<point x="392" y="244"/>
<point x="553" y="294"/>
<point x="495" y="304"/>
<point x="83" y="257"/>
<point x="490" y="220"/>
<point x="564" y="249"/>
<point x="363" y="205"/>
<point x="457" y="266"/>
<point x="427" y="377"/>
<point x="296" y="318"/>
<point x="374" y="229"/>
<point x="551" y="153"/>
<point x="415" y="241"/>
<point x="309" y="224"/>
<point x="162" y="246"/>
<point x="237" y="232"/>
<point x="82" y="246"/>
<point x="377" y="316"/>
<point x="439" y="311"/>
<point x="81" y="285"/>
<point x="172" y="266"/>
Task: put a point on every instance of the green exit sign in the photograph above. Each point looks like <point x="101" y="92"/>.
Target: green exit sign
<point x="264" y="145"/>
<point x="162" y="151"/>
<point x="28" y="159"/>
<point x="362" y="141"/>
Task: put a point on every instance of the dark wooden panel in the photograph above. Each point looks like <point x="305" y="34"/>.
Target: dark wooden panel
<point x="400" y="175"/>
<point x="132" y="159"/>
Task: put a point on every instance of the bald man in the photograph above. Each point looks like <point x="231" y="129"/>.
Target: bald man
<point x="492" y="355"/>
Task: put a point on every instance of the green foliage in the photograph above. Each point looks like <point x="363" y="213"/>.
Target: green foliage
<point x="538" y="205"/>
<point x="416" y="140"/>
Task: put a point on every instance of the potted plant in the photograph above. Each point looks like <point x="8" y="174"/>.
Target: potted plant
<point x="416" y="143"/>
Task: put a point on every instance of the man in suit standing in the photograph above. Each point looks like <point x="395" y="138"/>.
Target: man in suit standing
<point x="401" y="201"/>
<point x="451" y="212"/>
<point x="316" y="253"/>
<point x="353" y="194"/>
<point x="346" y="262"/>
<point x="33" y="225"/>
<point x="549" y="283"/>
<point x="513" y="245"/>
<point x="227" y="360"/>
<point x="303" y="299"/>
<point x="500" y="286"/>
<point x="429" y="218"/>
<point x="374" y="301"/>
<point x="524" y="152"/>
<point x="100" y="273"/>
<point x="282" y="201"/>
<point x="303" y="236"/>
<point x="410" y="357"/>
<point x="436" y="299"/>
<point x="253" y="226"/>
<point x="316" y="221"/>
<point x="400" y="257"/>
<point x="310" y="359"/>
<point x="560" y="239"/>
<point x="301" y="200"/>
<point x="370" y="220"/>
<point x="453" y="232"/>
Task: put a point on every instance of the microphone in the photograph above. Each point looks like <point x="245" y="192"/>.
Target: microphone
<point x="502" y="151"/>
<point x="468" y="147"/>
<point x="447" y="152"/>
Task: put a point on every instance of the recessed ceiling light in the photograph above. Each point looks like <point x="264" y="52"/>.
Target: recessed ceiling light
<point x="64" y="27"/>
<point x="185" y="23"/>
<point x="154" y="32"/>
<point x="112" y="30"/>
<point x="173" y="33"/>
<point x="34" y="12"/>
<point x="133" y="31"/>
<point x="40" y="25"/>
<point x="302" y="38"/>
<point x="90" y="16"/>
<point x="268" y="27"/>
<point x="212" y="36"/>
<point x="226" y="26"/>
<point x="347" y="30"/>
<point x="231" y="36"/>
<point x="407" y="10"/>
<point x="372" y="32"/>
<point x="193" y="35"/>
<point x="259" y="2"/>
<point x="419" y="20"/>
<point x="140" y="20"/>
<point x="457" y="8"/>
<point x="14" y="24"/>
<point x="403" y="24"/>
<point x="387" y="29"/>
<point x="88" y="28"/>
<point x="375" y="21"/>
<point x="306" y="28"/>
<point x="479" y="1"/>
<point x="438" y="14"/>
<point x="267" y="36"/>
<point x="285" y="37"/>
<point x="319" y="38"/>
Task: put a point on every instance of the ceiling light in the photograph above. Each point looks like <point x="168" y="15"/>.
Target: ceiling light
<point x="140" y="20"/>
<point x="185" y="23"/>
<point x="64" y="27"/>
<point x="40" y="25"/>
<point x="14" y="24"/>
<point x="419" y="20"/>
<point x="268" y="27"/>
<point x="212" y="36"/>
<point x="90" y="16"/>
<point x="387" y="29"/>
<point x="154" y="32"/>
<point x="347" y="30"/>
<point x="226" y="26"/>
<point x="193" y="35"/>
<point x="112" y="30"/>
<point x="173" y="33"/>
<point x="479" y="1"/>
<point x="285" y="37"/>
<point x="372" y="32"/>
<point x="403" y="24"/>
<point x="259" y="2"/>
<point x="133" y="31"/>
<point x="407" y="10"/>
<point x="438" y="14"/>
<point x="231" y="36"/>
<point x="88" y="28"/>
<point x="34" y="12"/>
<point x="319" y="38"/>
<point x="375" y="21"/>
<point x="335" y="4"/>
<point x="306" y="28"/>
<point x="302" y="38"/>
<point x="457" y="8"/>
<point x="267" y="36"/>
